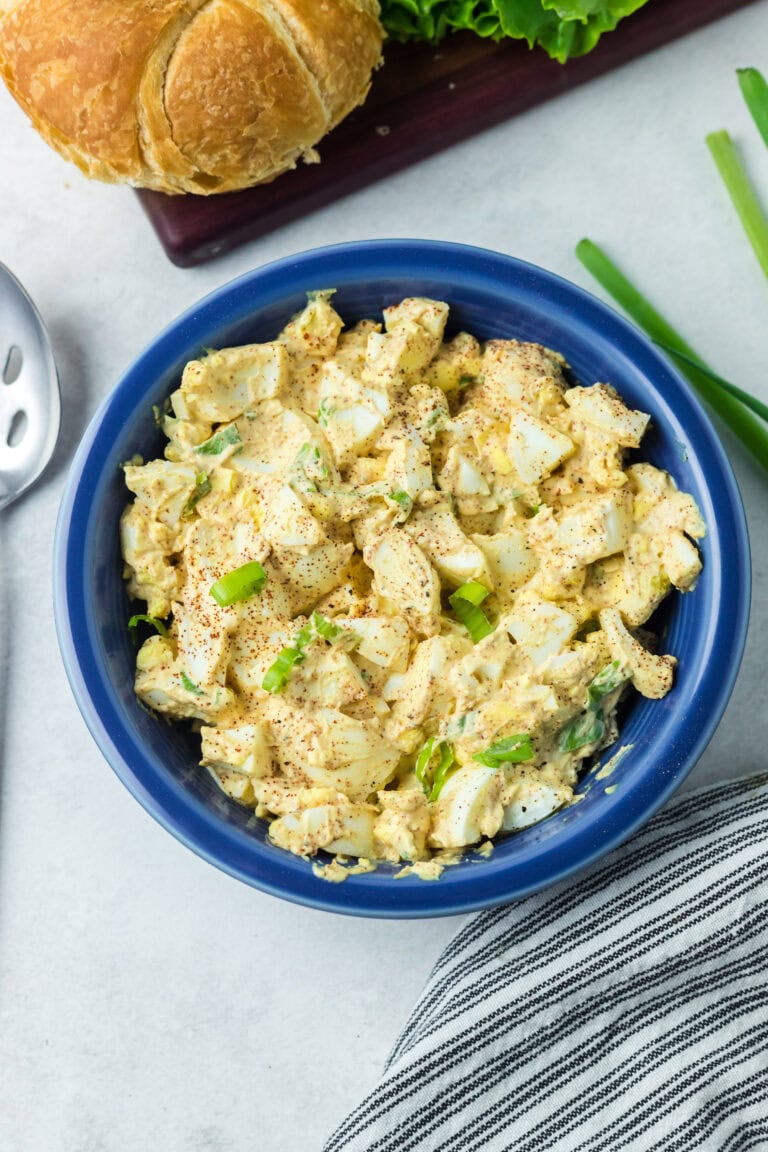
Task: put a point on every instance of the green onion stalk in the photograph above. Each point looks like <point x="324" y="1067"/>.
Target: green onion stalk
<point x="731" y="409"/>
<point x="742" y="194"/>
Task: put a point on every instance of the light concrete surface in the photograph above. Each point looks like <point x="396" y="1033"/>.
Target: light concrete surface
<point x="147" y="1001"/>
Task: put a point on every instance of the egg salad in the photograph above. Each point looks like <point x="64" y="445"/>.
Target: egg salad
<point x="398" y="582"/>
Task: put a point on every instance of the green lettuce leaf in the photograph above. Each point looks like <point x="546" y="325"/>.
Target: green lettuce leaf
<point x="563" y="28"/>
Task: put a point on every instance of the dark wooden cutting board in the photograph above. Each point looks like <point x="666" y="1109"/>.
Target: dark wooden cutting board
<point x="423" y="99"/>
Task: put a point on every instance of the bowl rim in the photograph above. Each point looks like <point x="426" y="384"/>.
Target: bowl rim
<point x="279" y="873"/>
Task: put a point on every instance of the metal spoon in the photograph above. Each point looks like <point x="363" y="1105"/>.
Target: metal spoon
<point x="30" y="407"/>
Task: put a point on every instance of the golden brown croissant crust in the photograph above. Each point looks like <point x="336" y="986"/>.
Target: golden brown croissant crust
<point x="188" y="95"/>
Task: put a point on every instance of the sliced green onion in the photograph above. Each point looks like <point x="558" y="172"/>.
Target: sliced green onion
<point x="202" y="488"/>
<point x="278" y="673"/>
<point x="588" y="728"/>
<point x="304" y="636"/>
<point x="442" y="772"/>
<point x="309" y="454"/>
<point x="160" y="412"/>
<point x="432" y="781"/>
<point x="474" y="620"/>
<point x="465" y="601"/>
<point x="153" y="621"/>
<point x="747" y="398"/>
<point x="307" y="470"/>
<point x="433" y="420"/>
<point x="422" y="762"/>
<point x="324" y="413"/>
<point x="301" y="483"/>
<point x="317" y="625"/>
<point x="739" y="419"/>
<point x="515" y="749"/>
<point x="240" y="584"/>
<point x="608" y="680"/>
<point x="742" y="194"/>
<point x="191" y="686"/>
<point x="220" y="440"/>
<point x="473" y="591"/>
<point x="402" y="498"/>
<point x="404" y="501"/>
<point x="325" y="628"/>
<point x="754" y="89"/>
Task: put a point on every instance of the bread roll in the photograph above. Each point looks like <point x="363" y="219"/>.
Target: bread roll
<point x="188" y="95"/>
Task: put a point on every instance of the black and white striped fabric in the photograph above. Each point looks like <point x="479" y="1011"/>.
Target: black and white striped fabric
<point x="626" y="1010"/>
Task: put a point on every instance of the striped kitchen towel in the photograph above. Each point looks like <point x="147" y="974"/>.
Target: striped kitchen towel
<point x="627" y="1009"/>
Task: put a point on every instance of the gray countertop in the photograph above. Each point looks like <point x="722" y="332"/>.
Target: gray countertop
<point x="147" y="1000"/>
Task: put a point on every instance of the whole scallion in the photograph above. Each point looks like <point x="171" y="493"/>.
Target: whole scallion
<point x="742" y="194"/>
<point x="742" y="422"/>
<point x="754" y="89"/>
<point x="757" y="406"/>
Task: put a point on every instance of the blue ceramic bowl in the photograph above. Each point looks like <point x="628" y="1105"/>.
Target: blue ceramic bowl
<point x="489" y="295"/>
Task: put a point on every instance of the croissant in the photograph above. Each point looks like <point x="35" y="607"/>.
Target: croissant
<point x="188" y="95"/>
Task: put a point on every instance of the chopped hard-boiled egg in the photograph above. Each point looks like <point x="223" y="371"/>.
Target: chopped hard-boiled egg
<point x="395" y="580"/>
<point x="244" y="749"/>
<point x="468" y="808"/>
<point x="602" y="406"/>
<point x="224" y="385"/>
<point x="535" y="447"/>
<point x="346" y="829"/>
<point x="404" y="577"/>
<point x="439" y="535"/>
<point x="530" y="801"/>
